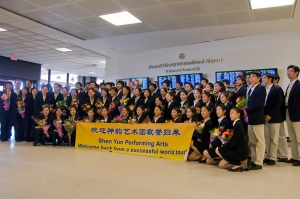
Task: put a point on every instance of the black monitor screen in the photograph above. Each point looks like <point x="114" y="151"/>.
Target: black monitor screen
<point x="272" y="71"/>
<point x="192" y="78"/>
<point x="171" y="78"/>
<point x="144" y="81"/>
<point x="229" y="75"/>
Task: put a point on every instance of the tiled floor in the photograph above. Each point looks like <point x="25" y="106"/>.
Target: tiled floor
<point x="64" y="172"/>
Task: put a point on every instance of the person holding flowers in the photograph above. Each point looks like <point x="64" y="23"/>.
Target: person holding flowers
<point x="184" y="104"/>
<point x="197" y="103"/>
<point x="125" y="114"/>
<point x="235" y="151"/>
<point x="126" y="92"/>
<point x="58" y="132"/>
<point x="136" y="101"/>
<point x="171" y="103"/>
<point x="105" y="97"/>
<point x="105" y="118"/>
<point x="206" y="102"/>
<point x="115" y="101"/>
<point x="224" y="97"/>
<point x="40" y="133"/>
<point x="65" y="94"/>
<point x="201" y="137"/>
<point x="43" y="98"/>
<point x="73" y="99"/>
<point x="8" y="110"/>
<point x="73" y="118"/>
<point x="158" y="118"/>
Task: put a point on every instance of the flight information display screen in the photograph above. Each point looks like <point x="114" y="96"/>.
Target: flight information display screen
<point x="229" y="75"/>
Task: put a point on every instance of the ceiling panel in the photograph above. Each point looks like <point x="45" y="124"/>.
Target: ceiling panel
<point x="38" y="30"/>
<point x="15" y="40"/>
<point x="39" y="37"/>
<point x="198" y="21"/>
<point x="136" y="28"/>
<point x="133" y="4"/>
<point x="93" y="22"/>
<point x="9" y="27"/>
<point x="70" y="11"/>
<point x="110" y="32"/>
<point x="87" y="34"/>
<point x="11" y="33"/>
<point x="67" y="26"/>
<point x="152" y="14"/>
<point x="219" y="6"/>
<point x="24" y="32"/>
<point x="5" y="41"/>
<point x="22" y="24"/>
<point x="17" y="6"/>
<point x="6" y="19"/>
<point x="172" y="1"/>
<point x="268" y="14"/>
<point x="46" y="3"/>
<point x="43" y="16"/>
<point x="186" y="9"/>
<point x="101" y="7"/>
<point x="233" y="18"/>
<point x="166" y="25"/>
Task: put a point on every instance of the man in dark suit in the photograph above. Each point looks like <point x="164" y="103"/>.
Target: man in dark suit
<point x="273" y="117"/>
<point x="120" y="85"/>
<point x="178" y="91"/>
<point x="292" y="99"/>
<point x="256" y="121"/>
<point x="154" y="91"/>
<point x="241" y="89"/>
<point x="189" y="88"/>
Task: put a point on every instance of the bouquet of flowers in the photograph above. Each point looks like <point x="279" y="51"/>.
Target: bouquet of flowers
<point x="61" y="104"/>
<point x="42" y="123"/>
<point x="119" y="120"/>
<point x="200" y="126"/>
<point x="132" y="109"/>
<point x="124" y="102"/>
<point x="138" y="83"/>
<point x="198" y="110"/>
<point x="169" y="121"/>
<point x="99" y="105"/>
<point x="112" y="106"/>
<point x="6" y="101"/>
<point x="215" y="133"/>
<point x="69" y="126"/>
<point x="241" y="102"/>
<point x="132" y="121"/>
<point x="184" y="108"/>
<point x="100" y="121"/>
<point x="58" y="127"/>
<point x="147" y="120"/>
<point x="226" y="136"/>
<point x="21" y="107"/>
<point x="86" y="107"/>
<point x="74" y="103"/>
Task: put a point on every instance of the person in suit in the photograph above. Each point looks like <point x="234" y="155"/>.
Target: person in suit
<point x="219" y="88"/>
<point x="141" y="116"/>
<point x="28" y="122"/>
<point x="210" y="89"/>
<point x="273" y="117"/>
<point x="56" y="95"/>
<point x="105" y="97"/>
<point x="137" y="100"/>
<point x="200" y="140"/>
<point x="83" y="94"/>
<point x="126" y="114"/>
<point x="148" y="103"/>
<point x="226" y="84"/>
<point x="120" y="85"/>
<point x="198" y="100"/>
<point x="43" y="98"/>
<point x="73" y="99"/>
<point x="126" y="93"/>
<point x="155" y="92"/>
<point x="282" y="152"/>
<point x="183" y="104"/>
<point x="158" y="118"/>
<point x="114" y="112"/>
<point x="39" y="135"/>
<point x="91" y="100"/>
<point x="17" y="88"/>
<point x="204" y="82"/>
<point x="175" y="113"/>
<point x="292" y="98"/>
<point x="241" y="90"/>
<point x="28" y="84"/>
<point x="65" y="94"/>
<point x="90" y="115"/>
<point x="104" y="115"/>
<point x="189" y="88"/>
<point x="171" y="103"/>
<point x="178" y="91"/>
<point x="163" y="94"/>
<point x="58" y="134"/>
<point x="224" y="97"/>
<point x="76" y="118"/>
<point x="206" y="102"/>
<point x="78" y="87"/>
<point x="191" y="115"/>
<point x="7" y="113"/>
<point x="235" y="151"/>
<point x="256" y="121"/>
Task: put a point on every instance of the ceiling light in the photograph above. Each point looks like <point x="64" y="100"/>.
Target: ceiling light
<point x="258" y="4"/>
<point x="102" y="62"/>
<point x="111" y="49"/>
<point x="64" y="49"/>
<point x="93" y="73"/>
<point x="121" y="18"/>
<point x="2" y="30"/>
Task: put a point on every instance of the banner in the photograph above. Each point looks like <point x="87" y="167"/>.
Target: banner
<point x="168" y="140"/>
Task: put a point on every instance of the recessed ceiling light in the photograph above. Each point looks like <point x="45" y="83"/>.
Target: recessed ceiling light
<point x="103" y="62"/>
<point x="93" y="73"/>
<point x="3" y="30"/>
<point x="258" y="4"/>
<point x="64" y="49"/>
<point x="111" y="49"/>
<point x="121" y="18"/>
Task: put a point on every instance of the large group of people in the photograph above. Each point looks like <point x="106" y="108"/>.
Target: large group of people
<point x="257" y="130"/>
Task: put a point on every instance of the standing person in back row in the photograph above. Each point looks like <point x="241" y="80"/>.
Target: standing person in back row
<point x="292" y="99"/>
<point x="256" y="120"/>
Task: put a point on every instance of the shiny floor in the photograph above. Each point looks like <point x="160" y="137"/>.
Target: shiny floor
<point x="64" y="172"/>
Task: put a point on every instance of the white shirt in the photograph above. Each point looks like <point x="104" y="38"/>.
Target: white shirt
<point x="220" y="119"/>
<point x="119" y="92"/>
<point x="289" y="91"/>
<point x="235" y="121"/>
<point x="252" y="89"/>
<point x="196" y="101"/>
<point x="182" y="102"/>
<point x="17" y="92"/>
<point x="226" y="103"/>
<point x="156" y="118"/>
<point x="169" y="104"/>
<point x="268" y="91"/>
<point x="207" y="103"/>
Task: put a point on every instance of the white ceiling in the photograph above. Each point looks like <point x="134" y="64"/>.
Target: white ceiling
<point x="166" y="23"/>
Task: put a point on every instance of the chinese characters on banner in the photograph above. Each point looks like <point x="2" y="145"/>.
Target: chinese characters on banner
<point x="157" y="140"/>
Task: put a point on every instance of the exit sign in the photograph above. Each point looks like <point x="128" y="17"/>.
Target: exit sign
<point x="14" y="57"/>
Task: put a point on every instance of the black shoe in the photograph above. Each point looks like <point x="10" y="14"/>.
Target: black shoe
<point x="240" y="169"/>
<point x="282" y="159"/>
<point x="34" y="144"/>
<point x="290" y="161"/>
<point x="271" y="162"/>
<point x="296" y="164"/>
<point x="255" y="167"/>
<point x="266" y="160"/>
<point x="202" y="161"/>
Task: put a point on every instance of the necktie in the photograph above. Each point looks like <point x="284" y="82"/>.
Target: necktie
<point x="249" y="92"/>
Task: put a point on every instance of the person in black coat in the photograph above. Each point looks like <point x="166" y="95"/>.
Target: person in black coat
<point x="273" y="115"/>
<point x="126" y="93"/>
<point x="225" y="101"/>
<point x="189" y="88"/>
<point x="114" y="111"/>
<point x="120" y="85"/>
<point x="141" y="116"/>
<point x="41" y="136"/>
<point x="73" y="99"/>
<point x="178" y="91"/>
<point x="137" y="99"/>
<point x="176" y="113"/>
<point x="90" y="116"/>
<point x="105" y="117"/>
<point x="90" y="100"/>
<point x="148" y="103"/>
<point x="56" y="95"/>
<point x="256" y="121"/>
<point x="184" y="104"/>
<point x="105" y="98"/>
<point x="235" y="152"/>
<point x="206" y="102"/>
<point x="219" y="88"/>
<point x="170" y="105"/>
<point x="7" y="113"/>
<point x="58" y="133"/>
<point x="163" y="94"/>
<point x="241" y="89"/>
<point x="200" y="140"/>
<point x="210" y="89"/>
<point x="76" y="118"/>
<point x="292" y="99"/>
<point x="43" y="98"/>
<point x="158" y="118"/>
